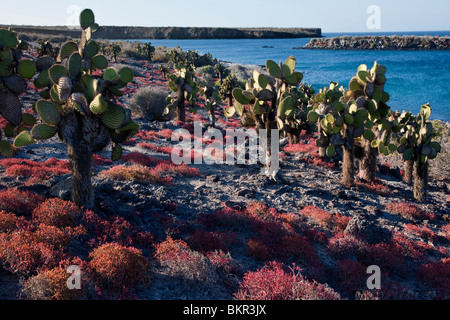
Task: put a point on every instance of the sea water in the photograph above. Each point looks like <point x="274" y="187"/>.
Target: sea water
<point x="414" y="77"/>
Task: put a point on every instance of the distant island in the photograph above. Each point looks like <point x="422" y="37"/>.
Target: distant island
<point x="380" y="43"/>
<point x="136" y="33"/>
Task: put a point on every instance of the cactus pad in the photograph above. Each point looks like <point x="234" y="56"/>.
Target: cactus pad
<point x="114" y="116"/>
<point x="27" y="69"/>
<point x="48" y="112"/>
<point x="43" y="131"/>
<point x="23" y="139"/>
<point x="10" y="107"/>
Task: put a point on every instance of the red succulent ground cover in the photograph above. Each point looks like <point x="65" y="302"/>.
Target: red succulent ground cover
<point x="269" y="254"/>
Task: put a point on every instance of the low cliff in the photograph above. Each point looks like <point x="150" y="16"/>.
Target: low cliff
<point x="134" y="33"/>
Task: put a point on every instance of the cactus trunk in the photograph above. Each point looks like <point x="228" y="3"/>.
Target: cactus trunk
<point x="181" y="112"/>
<point x="420" y="180"/>
<point x="409" y="165"/>
<point x="348" y="163"/>
<point x="80" y="158"/>
<point x="212" y="117"/>
<point x="368" y="164"/>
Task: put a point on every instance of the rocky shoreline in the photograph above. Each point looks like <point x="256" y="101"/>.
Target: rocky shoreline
<point x="380" y="43"/>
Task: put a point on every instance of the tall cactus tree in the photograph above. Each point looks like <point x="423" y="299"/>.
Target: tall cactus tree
<point x="367" y="88"/>
<point x="182" y="83"/>
<point x="417" y="145"/>
<point x="221" y="70"/>
<point x="212" y="98"/>
<point x="227" y="87"/>
<point x="14" y="73"/>
<point x="340" y="123"/>
<point x="268" y="104"/>
<point x="297" y="121"/>
<point x="81" y="108"/>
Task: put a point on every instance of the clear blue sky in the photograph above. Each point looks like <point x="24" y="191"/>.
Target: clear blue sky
<point x="330" y="15"/>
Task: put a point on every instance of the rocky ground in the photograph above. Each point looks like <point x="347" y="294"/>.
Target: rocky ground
<point x="210" y="209"/>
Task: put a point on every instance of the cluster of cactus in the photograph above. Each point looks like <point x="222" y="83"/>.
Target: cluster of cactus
<point x="46" y="48"/>
<point x="146" y="50"/>
<point x="165" y="70"/>
<point x="183" y="84"/>
<point x="226" y="88"/>
<point x="220" y="69"/>
<point x="80" y="107"/>
<point x="340" y="123"/>
<point x="113" y="50"/>
<point x="298" y="121"/>
<point x="211" y="94"/>
<point x="14" y="73"/>
<point x="417" y="147"/>
<point x="269" y="100"/>
<point x="367" y="89"/>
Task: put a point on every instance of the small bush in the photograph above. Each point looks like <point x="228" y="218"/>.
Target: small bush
<point x="273" y="283"/>
<point x="9" y="221"/>
<point x="116" y="266"/>
<point x="57" y="212"/>
<point x="51" y="285"/>
<point x="19" y="202"/>
<point x="336" y="222"/>
<point x="134" y="172"/>
<point x="23" y="253"/>
<point x="437" y="275"/>
<point x="150" y="101"/>
<point x="409" y="211"/>
<point x="182" y="261"/>
<point x="36" y="172"/>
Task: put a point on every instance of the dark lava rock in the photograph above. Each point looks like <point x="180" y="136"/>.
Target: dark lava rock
<point x="365" y="228"/>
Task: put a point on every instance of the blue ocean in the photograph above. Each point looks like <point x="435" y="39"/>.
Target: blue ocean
<point x="414" y="77"/>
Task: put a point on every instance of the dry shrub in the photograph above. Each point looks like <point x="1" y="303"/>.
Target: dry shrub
<point x="150" y="102"/>
<point x="180" y="260"/>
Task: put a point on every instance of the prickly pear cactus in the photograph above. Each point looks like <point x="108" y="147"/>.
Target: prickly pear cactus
<point x="212" y="99"/>
<point x="227" y="87"/>
<point x="14" y="73"/>
<point x="340" y="123"/>
<point x="367" y="88"/>
<point x="183" y="84"/>
<point x="268" y="102"/>
<point x="417" y="145"/>
<point x="79" y="106"/>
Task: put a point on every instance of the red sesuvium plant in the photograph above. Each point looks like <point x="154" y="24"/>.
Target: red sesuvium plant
<point x="35" y="171"/>
<point x="437" y="275"/>
<point x="335" y="222"/>
<point x="351" y="275"/>
<point x="117" y="266"/>
<point x="23" y="253"/>
<point x="51" y="284"/>
<point x="20" y="202"/>
<point x="274" y="283"/>
<point x="409" y="211"/>
<point x="58" y="213"/>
